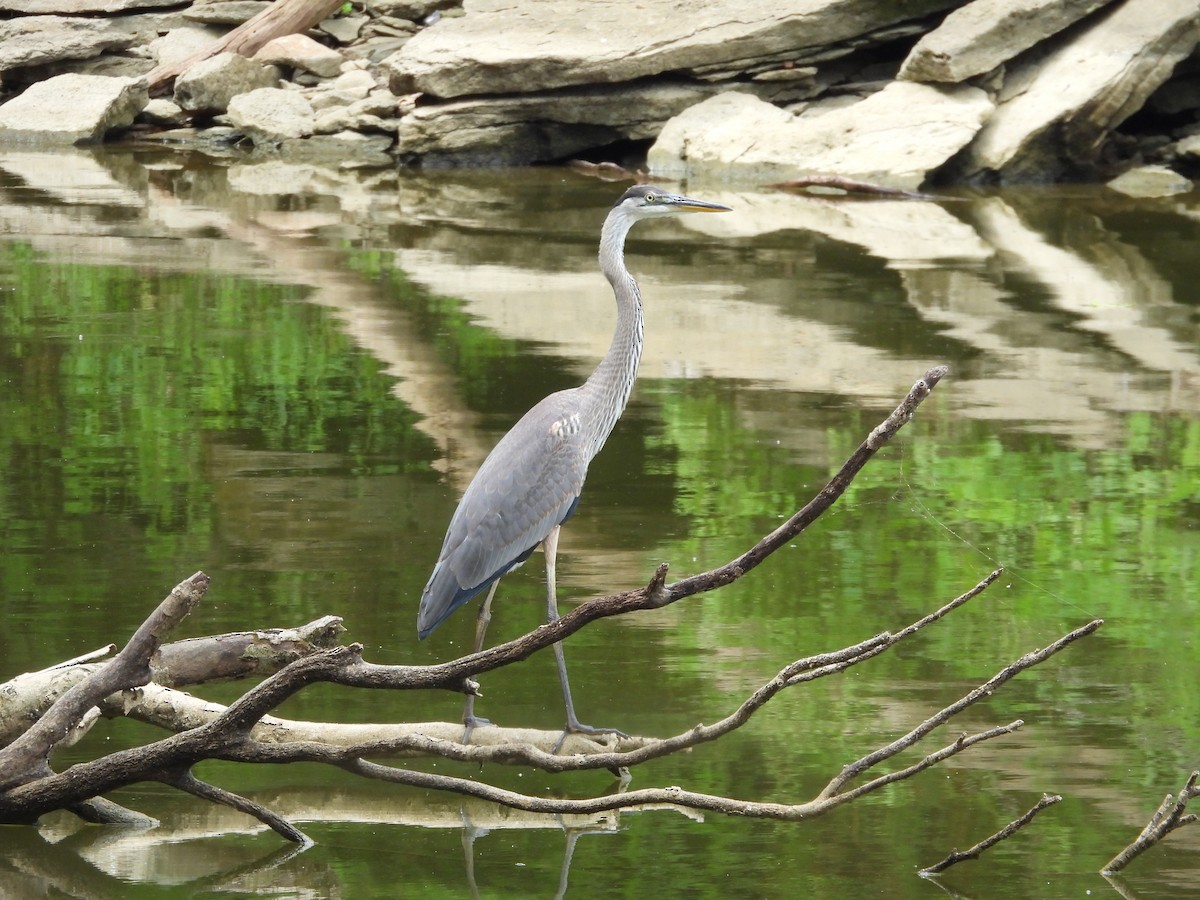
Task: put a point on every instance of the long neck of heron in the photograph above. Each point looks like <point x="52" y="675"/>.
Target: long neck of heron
<point x="608" y="388"/>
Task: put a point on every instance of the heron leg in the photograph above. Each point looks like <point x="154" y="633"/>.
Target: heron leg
<point x="550" y="547"/>
<point x="481" y="625"/>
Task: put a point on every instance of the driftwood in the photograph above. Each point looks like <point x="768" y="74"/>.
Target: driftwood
<point x="131" y="684"/>
<point x="280" y="18"/>
<point x="850" y="187"/>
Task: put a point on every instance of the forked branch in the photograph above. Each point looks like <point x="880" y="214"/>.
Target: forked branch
<point x="1171" y="814"/>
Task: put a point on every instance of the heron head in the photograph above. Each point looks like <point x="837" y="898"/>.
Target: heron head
<point x="646" y="201"/>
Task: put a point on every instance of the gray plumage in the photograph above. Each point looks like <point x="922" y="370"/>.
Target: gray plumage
<point x="531" y="481"/>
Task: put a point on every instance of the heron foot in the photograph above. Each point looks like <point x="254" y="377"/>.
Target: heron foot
<point x="472" y="722"/>
<point x="574" y="726"/>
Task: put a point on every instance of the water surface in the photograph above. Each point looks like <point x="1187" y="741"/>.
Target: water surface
<point x="286" y="375"/>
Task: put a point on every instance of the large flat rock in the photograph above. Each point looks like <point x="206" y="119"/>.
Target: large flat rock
<point x="36" y="40"/>
<point x="983" y="34"/>
<point x="79" y="7"/>
<point x="896" y="137"/>
<point x="528" y="128"/>
<point x="71" y="109"/>
<point x="1064" y="105"/>
<point x="501" y="47"/>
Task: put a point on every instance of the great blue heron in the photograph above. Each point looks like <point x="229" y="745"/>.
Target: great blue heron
<point x="531" y="481"/>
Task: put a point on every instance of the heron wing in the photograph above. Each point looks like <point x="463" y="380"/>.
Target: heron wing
<point x="529" y="483"/>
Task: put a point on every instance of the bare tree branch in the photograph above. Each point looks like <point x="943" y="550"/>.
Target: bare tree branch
<point x="188" y="782"/>
<point x="1007" y="831"/>
<point x="825" y="801"/>
<point x="240" y="654"/>
<point x="982" y="692"/>
<point x="243" y="732"/>
<point x="28" y="756"/>
<point x="1169" y="816"/>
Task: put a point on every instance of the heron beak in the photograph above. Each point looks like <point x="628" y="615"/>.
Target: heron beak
<point x="687" y="204"/>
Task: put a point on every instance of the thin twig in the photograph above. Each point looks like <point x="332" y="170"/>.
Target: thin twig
<point x="188" y="782"/>
<point x="957" y="856"/>
<point x="93" y="656"/>
<point x="982" y="692"/>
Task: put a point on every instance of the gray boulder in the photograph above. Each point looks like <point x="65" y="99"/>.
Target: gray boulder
<point x="270" y="115"/>
<point x="501" y="47"/>
<point x="36" y="40"/>
<point x="79" y="7"/>
<point x="208" y="86"/>
<point x="298" y="51"/>
<point x="983" y="34"/>
<point x="1056" y="111"/>
<point x="71" y="109"/>
<point x="551" y="125"/>
<point x="178" y="44"/>
<point x="897" y="137"/>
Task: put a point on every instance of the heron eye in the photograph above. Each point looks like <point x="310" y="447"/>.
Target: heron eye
<point x="652" y="198"/>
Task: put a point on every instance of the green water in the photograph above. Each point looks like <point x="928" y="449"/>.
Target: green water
<point x="285" y="376"/>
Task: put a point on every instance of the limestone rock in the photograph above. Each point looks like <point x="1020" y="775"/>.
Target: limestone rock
<point x="976" y="38"/>
<point x="1150" y="181"/>
<point x="180" y="43"/>
<point x="161" y="111"/>
<point x="272" y="114"/>
<point x="1189" y="148"/>
<point x="36" y="40"/>
<point x="354" y="84"/>
<point x="413" y="10"/>
<point x="375" y="113"/>
<point x="71" y="109"/>
<point x="225" y="12"/>
<point x="79" y="7"/>
<point x="896" y="137"/>
<point x="1057" y="110"/>
<point x="502" y="47"/>
<point x="209" y="85"/>
<point x="487" y="131"/>
<point x="299" y="51"/>
<point x="344" y="29"/>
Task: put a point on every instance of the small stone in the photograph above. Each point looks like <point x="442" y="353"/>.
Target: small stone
<point x="301" y="52"/>
<point x="344" y="29"/>
<point x="355" y="83"/>
<point x="161" y="111"/>
<point x="271" y="114"/>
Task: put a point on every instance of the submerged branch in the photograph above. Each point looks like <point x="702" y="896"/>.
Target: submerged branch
<point x="957" y="856"/>
<point x="1169" y="816"/>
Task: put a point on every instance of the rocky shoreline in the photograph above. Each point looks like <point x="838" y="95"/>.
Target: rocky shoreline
<point x="905" y="95"/>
